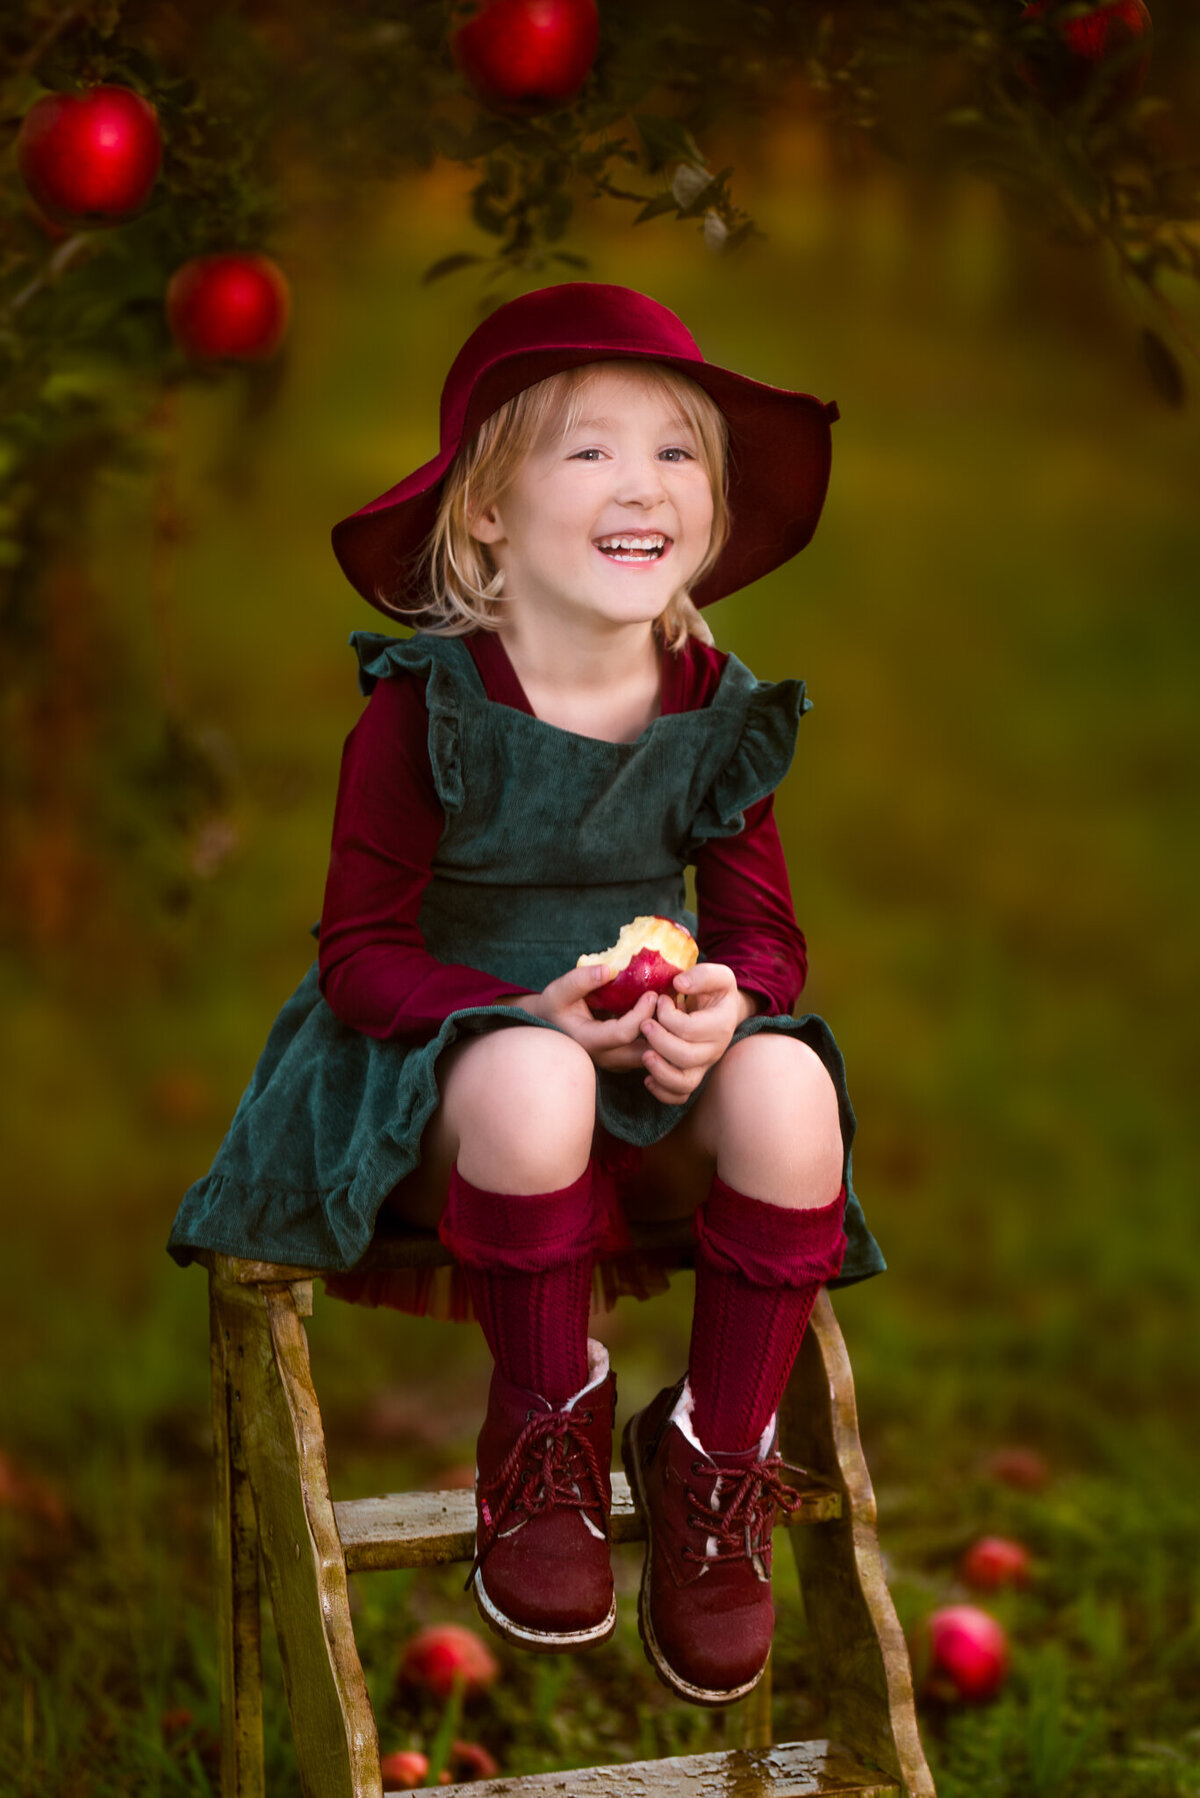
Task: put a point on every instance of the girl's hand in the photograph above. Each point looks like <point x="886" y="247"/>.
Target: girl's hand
<point x="612" y="1043"/>
<point x="685" y="1044"/>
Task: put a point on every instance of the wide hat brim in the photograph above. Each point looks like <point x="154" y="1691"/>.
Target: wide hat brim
<point x="779" y="441"/>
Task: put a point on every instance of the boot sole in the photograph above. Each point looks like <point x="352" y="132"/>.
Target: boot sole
<point x="540" y="1641"/>
<point x="683" y="1688"/>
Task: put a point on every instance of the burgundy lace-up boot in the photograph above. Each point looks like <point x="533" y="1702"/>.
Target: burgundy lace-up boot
<point x="543" y="1493"/>
<point x="704" y="1612"/>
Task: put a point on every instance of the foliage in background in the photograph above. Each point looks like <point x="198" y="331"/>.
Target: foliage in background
<point x="271" y="113"/>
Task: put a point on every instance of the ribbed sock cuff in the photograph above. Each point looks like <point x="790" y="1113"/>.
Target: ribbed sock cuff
<point x="770" y="1245"/>
<point x="521" y="1232"/>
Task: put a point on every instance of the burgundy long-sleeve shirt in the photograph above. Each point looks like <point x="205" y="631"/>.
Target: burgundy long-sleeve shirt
<point x="374" y="969"/>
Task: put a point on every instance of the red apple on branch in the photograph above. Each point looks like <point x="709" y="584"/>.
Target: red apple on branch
<point x="532" y="55"/>
<point x="1107" y="44"/>
<point x="233" y="305"/>
<point x="90" y="159"/>
<point x="645" y="959"/>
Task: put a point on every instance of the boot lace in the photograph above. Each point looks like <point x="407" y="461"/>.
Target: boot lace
<point x="552" y="1464"/>
<point x="741" y="1525"/>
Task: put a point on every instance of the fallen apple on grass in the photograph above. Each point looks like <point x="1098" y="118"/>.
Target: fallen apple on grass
<point x="963" y="1653"/>
<point x="645" y="958"/>
<point x="996" y="1561"/>
<point x="446" y="1654"/>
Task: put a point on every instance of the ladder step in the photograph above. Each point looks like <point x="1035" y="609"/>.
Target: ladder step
<point x="430" y="1529"/>
<point x="790" y="1770"/>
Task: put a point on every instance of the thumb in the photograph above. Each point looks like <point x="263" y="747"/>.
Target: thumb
<point x="576" y="983"/>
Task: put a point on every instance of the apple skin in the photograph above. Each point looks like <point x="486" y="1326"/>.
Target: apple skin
<point x="648" y="972"/>
<point x="965" y="1652"/>
<point x="1064" y="70"/>
<point x="648" y="969"/>
<point x="444" y="1653"/>
<point x="90" y="159"/>
<point x="527" y="55"/>
<point x="996" y="1561"/>
<point x="232" y="305"/>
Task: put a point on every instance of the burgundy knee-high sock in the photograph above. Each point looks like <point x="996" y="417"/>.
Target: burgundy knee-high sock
<point x="759" y="1268"/>
<point x="528" y="1265"/>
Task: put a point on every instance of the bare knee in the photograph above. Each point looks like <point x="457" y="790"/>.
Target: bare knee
<point x="771" y="1121"/>
<point x="520" y="1107"/>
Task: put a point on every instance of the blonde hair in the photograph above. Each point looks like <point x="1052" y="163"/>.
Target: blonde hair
<point x="457" y="587"/>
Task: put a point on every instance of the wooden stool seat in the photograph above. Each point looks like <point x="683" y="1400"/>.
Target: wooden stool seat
<point x="274" y="1508"/>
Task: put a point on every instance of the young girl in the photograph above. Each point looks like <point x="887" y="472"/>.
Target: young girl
<point x="536" y="766"/>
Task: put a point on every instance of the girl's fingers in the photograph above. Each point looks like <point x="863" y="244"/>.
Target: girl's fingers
<point x="679" y="1082"/>
<point x="680" y="1051"/>
<point x="706" y="981"/>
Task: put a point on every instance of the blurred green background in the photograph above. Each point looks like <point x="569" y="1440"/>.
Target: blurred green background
<point x="991" y="830"/>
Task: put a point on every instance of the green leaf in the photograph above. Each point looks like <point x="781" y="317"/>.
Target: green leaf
<point x="665" y="140"/>
<point x="1162" y="365"/>
<point x="655" y="208"/>
<point x="449" y="265"/>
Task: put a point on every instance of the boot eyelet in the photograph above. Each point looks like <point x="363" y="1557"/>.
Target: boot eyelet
<point x="697" y="1466"/>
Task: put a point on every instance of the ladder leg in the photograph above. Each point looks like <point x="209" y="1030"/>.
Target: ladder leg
<point x="235" y="1554"/>
<point x="861" y="1650"/>
<point x="275" y="1405"/>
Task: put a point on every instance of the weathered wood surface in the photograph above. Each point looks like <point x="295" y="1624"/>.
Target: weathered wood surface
<point x="430" y="1529"/>
<point x="337" y="1747"/>
<point x="235" y="1557"/>
<point x="395" y="1245"/>
<point x="791" y="1770"/>
<point x="860" y="1647"/>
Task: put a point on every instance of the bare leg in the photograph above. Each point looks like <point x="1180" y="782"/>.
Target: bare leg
<point x="766" y="1122"/>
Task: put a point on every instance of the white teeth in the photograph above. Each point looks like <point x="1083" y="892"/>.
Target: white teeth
<point x="654" y="542"/>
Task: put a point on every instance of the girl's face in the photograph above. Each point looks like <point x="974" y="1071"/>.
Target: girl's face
<point x="608" y="523"/>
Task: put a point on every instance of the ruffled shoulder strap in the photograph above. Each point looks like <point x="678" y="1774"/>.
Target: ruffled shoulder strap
<point x="451" y="679"/>
<point x="764" y="716"/>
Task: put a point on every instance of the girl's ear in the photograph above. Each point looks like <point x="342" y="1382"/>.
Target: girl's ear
<point x="486" y="526"/>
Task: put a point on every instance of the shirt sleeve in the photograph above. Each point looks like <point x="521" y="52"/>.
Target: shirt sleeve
<point x="374" y="970"/>
<point x="746" y="917"/>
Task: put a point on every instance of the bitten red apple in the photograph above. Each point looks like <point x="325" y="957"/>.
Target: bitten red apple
<point x="234" y="304"/>
<point x="90" y="159"/>
<point x="966" y="1654"/>
<point x="531" y="55"/>
<point x="996" y="1561"/>
<point x="1100" y="44"/>
<point x="645" y="959"/>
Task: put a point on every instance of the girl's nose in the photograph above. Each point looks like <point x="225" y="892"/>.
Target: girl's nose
<point x="641" y="483"/>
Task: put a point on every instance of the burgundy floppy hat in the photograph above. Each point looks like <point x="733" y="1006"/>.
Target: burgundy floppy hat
<point x="779" y="442"/>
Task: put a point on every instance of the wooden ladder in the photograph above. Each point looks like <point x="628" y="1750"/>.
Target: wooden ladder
<point x="274" y="1509"/>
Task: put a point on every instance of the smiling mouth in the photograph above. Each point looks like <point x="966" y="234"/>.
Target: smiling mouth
<point x="650" y="547"/>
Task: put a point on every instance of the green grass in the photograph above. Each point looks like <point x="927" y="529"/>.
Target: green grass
<point x="990" y="829"/>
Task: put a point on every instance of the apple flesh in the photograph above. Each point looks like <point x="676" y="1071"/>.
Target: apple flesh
<point x="645" y="959"/>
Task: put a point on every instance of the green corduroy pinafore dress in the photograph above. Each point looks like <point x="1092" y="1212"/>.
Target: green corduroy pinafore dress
<point x="552" y="842"/>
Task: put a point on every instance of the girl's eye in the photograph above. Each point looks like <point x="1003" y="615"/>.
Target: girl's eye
<point x="586" y="455"/>
<point x="677" y="454"/>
